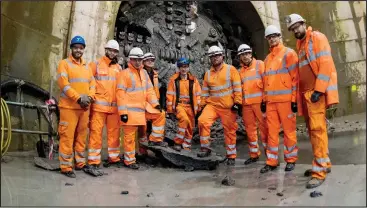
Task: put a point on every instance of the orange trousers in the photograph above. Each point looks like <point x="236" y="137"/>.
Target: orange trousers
<point x="276" y="114"/>
<point x="314" y="114"/>
<point x="209" y="115"/>
<point x="157" y="135"/>
<point x="97" y="122"/>
<point x="186" y="124"/>
<point x="251" y="114"/>
<point x="73" y="130"/>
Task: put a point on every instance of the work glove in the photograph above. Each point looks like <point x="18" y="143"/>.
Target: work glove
<point x="294" y="107"/>
<point x="263" y="107"/>
<point x="124" y="118"/>
<point x="237" y="108"/>
<point x="83" y="101"/>
<point x="91" y="100"/>
<point x="158" y="107"/>
<point x="315" y="96"/>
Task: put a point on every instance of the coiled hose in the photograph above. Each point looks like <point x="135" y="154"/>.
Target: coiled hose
<point x="5" y="118"/>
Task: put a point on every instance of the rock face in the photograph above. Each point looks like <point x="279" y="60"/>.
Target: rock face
<point x="171" y="30"/>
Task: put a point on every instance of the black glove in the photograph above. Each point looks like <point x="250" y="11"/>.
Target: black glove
<point x="237" y="108"/>
<point x="90" y="99"/>
<point x="171" y="116"/>
<point x="83" y="101"/>
<point x="263" y="107"/>
<point x="158" y="107"/>
<point x="124" y="118"/>
<point x="294" y="107"/>
<point x="315" y="96"/>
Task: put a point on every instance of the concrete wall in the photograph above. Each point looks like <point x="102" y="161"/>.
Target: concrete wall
<point x="344" y="23"/>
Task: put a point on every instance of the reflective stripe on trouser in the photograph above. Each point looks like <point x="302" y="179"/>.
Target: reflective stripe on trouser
<point x="186" y="122"/>
<point x="252" y="113"/>
<point x="276" y="114"/>
<point x="141" y="138"/>
<point x="97" y="122"/>
<point x="130" y="133"/>
<point x="73" y="130"/>
<point x="228" y="118"/>
<point x="314" y="114"/>
<point x="158" y="123"/>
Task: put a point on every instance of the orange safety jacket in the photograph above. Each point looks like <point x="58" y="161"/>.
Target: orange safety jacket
<point x="175" y="90"/>
<point x="74" y="79"/>
<point x="135" y="95"/>
<point x="105" y="76"/>
<point x="155" y="82"/>
<point x="222" y="88"/>
<point x="252" y="82"/>
<point x="317" y="50"/>
<point x="281" y="75"/>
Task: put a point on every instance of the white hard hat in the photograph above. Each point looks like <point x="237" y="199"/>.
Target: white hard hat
<point x="214" y="50"/>
<point x="113" y="44"/>
<point x="243" y="48"/>
<point x="148" y="56"/>
<point x="271" y="29"/>
<point x="293" y="19"/>
<point x="136" y="53"/>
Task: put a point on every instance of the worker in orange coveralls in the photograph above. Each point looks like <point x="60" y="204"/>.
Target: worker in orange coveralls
<point x="318" y="90"/>
<point x="221" y="98"/>
<point x="251" y="74"/>
<point x="280" y="87"/>
<point x="77" y="86"/>
<point x="183" y="99"/>
<point x="137" y="102"/>
<point x="104" y="109"/>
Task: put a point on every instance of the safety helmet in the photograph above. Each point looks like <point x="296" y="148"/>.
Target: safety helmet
<point x="136" y="53"/>
<point x="271" y="29"/>
<point x="214" y="50"/>
<point x="77" y="40"/>
<point x="148" y="56"/>
<point x="183" y="61"/>
<point x="293" y="19"/>
<point x="243" y="48"/>
<point x="112" y="44"/>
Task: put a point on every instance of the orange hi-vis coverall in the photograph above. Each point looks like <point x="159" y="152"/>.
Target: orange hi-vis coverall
<point x="136" y="98"/>
<point x="183" y="98"/>
<point x="253" y="93"/>
<point x="221" y="90"/>
<point x="74" y="79"/>
<point x="280" y="82"/>
<point x="104" y="110"/>
<point x="142" y="132"/>
<point x="316" y="73"/>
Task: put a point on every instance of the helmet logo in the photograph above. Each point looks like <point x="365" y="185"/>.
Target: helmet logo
<point x="288" y="19"/>
<point x="77" y="39"/>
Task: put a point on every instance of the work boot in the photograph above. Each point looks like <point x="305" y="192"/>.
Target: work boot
<point x="69" y="174"/>
<point x="251" y="160"/>
<point x="231" y="161"/>
<point x="93" y="170"/>
<point x="308" y="172"/>
<point x="160" y="144"/>
<point x="290" y="166"/>
<point x="133" y="166"/>
<point x="314" y="182"/>
<point x="204" y="153"/>
<point x="177" y="147"/>
<point x="267" y="168"/>
<point x="117" y="164"/>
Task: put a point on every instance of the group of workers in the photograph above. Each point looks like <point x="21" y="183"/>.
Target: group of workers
<point x="266" y="94"/>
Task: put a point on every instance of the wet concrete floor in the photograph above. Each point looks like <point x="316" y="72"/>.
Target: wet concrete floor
<point x="23" y="184"/>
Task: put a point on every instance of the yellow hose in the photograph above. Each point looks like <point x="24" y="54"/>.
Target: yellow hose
<point x="5" y="117"/>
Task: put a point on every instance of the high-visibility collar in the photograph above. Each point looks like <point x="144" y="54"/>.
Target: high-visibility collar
<point x="213" y="69"/>
<point x="252" y="65"/>
<point x="275" y="50"/>
<point x="72" y="59"/>
<point x="132" y="67"/>
<point x="106" y="60"/>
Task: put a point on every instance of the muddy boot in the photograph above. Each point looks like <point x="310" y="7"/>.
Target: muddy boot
<point x="177" y="147"/>
<point x="251" y="160"/>
<point x="161" y="144"/>
<point x="267" y="168"/>
<point x="117" y="164"/>
<point x="69" y="174"/>
<point x="314" y="182"/>
<point x="290" y="166"/>
<point x="308" y="172"/>
<point x="133" y="166"/>
<point x="93" y="170"/>
<point x="231" y="161"/>
<point x="204" y="153"/>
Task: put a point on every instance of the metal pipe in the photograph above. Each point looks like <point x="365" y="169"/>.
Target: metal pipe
<point x="29" y="105"/>
<point x="28" y="131"/>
